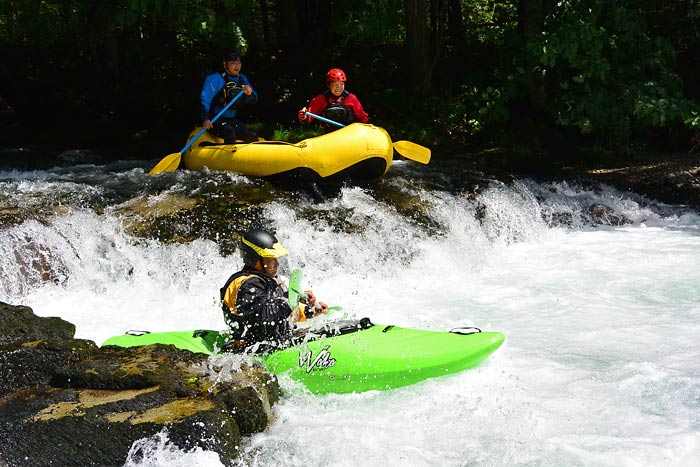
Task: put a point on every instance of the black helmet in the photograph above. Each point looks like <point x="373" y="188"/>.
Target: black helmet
<point x="257" y="244"/>
<point x="232" y="56"/>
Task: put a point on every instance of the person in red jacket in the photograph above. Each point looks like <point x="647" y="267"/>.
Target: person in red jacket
<point x="336" y="103"/>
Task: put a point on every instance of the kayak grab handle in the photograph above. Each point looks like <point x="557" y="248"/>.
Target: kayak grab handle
<point x="465" y="331"/>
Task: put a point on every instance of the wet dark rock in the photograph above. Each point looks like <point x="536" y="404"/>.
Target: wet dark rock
<point x="11" y="215"/>
<point x="21" y="325"/>
<point x="34" y="363"/>
<point x="594" y="215"/>
<point x="560" y="219"/>
<point x="674" y="179"/>
<point x="218" y="212"/>
<point x="599" y="214"/>
<point x="64" y="401"/>
<point x="36" y="263"/>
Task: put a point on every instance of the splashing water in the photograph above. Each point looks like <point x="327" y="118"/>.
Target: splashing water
<point x="601" y="321"/>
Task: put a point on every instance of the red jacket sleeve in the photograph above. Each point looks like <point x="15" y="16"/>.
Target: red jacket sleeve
<point x="317" y="105"/>
<point x="354" y="103"/>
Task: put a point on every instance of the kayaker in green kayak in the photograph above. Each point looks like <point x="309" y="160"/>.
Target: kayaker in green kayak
<point x="329" y="356"/>
<point x="255" y="302"/>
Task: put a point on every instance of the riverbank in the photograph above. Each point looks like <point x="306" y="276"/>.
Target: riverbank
<point x="669" y="178"/>
<point x="674" y="180"/>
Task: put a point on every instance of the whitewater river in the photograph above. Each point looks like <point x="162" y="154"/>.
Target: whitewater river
<point x="601" y="364"/>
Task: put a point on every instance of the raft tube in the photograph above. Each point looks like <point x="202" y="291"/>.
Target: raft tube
<point x="358" y="151"/>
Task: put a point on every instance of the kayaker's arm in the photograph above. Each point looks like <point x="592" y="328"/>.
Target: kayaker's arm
<point x="309" y="298"/>
<point x="315" y="307"/>
<point x="308" y="307"/>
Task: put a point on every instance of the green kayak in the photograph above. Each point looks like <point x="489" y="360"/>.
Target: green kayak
<point x="352" y="356"/>
<point x="348" y="356"/>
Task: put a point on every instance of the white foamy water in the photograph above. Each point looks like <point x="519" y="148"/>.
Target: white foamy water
<point x="600" y="364"/>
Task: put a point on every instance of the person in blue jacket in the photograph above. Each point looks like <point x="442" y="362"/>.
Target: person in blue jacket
<point x="217" y="91"/>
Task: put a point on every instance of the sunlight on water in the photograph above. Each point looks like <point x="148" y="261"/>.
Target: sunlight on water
<point x="599" y="366"/>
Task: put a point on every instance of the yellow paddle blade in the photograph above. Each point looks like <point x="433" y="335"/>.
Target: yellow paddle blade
<point x="167" y="164"/>
<point x="413" y="151"/>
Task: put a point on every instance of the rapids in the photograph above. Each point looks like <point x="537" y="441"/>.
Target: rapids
<point x="602" y="318"/>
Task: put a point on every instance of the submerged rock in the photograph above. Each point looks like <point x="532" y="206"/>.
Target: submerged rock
<point x="672" y="178"/>
<point x="64" y="401"/>
<point x="599" y="214"/>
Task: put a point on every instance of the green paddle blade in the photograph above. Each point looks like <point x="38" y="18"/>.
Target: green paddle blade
<point x="295" y="289"/>
<point x="167" y="164"/>
<point x="413" y="151"/>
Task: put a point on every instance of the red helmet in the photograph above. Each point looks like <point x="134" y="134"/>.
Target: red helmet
<point x="335" y="74"/>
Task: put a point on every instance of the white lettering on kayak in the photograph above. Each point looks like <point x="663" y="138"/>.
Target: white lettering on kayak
<point x="322" y="360"/>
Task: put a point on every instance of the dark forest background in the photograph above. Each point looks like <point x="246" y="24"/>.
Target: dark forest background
<point x="534" y="76"/>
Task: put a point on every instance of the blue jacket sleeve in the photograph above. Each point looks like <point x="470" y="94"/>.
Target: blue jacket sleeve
<point x="212" y="85"/>
<point x="253" y="97"/>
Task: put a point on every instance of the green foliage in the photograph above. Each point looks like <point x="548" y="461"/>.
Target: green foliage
<point x="372" y="22"/>
<point x="295" y="134"/>
<point x="604" y="73"/>
<point x="478" y="110"/>
<point x="126" y="45"/>
<point x="607" y="69"/>
<point x="489" y="21"/>
<point x="480" y="100"/>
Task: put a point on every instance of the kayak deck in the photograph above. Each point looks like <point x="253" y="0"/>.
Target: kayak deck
<point x="381" y="357"/>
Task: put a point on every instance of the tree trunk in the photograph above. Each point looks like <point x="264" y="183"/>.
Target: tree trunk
<point x="288" y="26"/>
<point x="265" y="20"/>
<point x="530" y="25"/>
<point x="455" y="27"/>
<point x="418" y="45"/>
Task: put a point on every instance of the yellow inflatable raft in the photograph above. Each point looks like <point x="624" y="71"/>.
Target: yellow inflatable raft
<point x="358" y="151"/>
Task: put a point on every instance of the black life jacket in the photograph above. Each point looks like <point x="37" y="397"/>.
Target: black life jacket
<point x="230" y="90"/>
<point x="249" y="331"/>
<point x="336" y="111"/>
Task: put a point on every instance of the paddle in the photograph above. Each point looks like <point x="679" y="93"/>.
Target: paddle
<point x="171" y="162"/>
<point x="296" y="292"/>
<point x="407" y="149"/>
